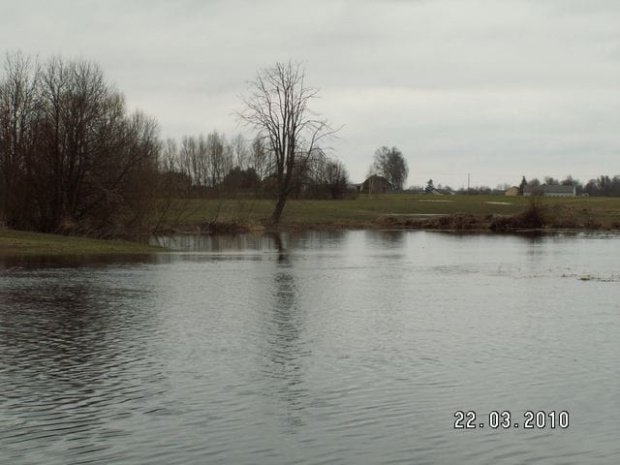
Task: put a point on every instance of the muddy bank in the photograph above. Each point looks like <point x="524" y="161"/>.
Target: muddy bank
<point x="527" y="220"/>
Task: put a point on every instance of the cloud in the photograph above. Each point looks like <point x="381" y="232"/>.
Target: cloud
<point x="497" y="88"/>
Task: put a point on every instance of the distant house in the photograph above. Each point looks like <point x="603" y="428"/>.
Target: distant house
<point x="512" y="192"/>
<point x="376" y="184"/>
<point x="553" y="190"/>
<point x="358" y="186"/>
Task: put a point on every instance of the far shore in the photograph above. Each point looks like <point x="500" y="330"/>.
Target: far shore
<point x="455" y="222"/>
<point x="484" y="214"/>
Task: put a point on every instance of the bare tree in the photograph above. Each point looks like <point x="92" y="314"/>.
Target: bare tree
<point x="391" y="164"/>
<point x="71" y="159"/>
<point x="19" y="115"/>
<point x="219" y="159"/>
<point x="277" y="106"/>
<point x="371" y="176"/>
<point x="240" y="152"/>
<point x="336" y="179"/>
<point x="189" y="160"/>
<point x="260" y="158"/>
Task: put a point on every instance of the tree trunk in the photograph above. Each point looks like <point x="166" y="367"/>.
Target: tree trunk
<point x="277" y="213"/>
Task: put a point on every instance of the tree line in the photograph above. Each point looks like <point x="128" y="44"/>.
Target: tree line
<point x="71" y="156"/>
<point x="603" y="186"/>
<point x="73" y="159"/>
<point x="214" y="166"/>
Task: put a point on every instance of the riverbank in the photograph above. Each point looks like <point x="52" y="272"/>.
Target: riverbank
<point x="390" y="211"/>
<point x="404" y="211"/>
<point x="30" y="243"/>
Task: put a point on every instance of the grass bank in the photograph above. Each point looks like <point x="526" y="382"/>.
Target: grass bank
<point x="29" y="243"/>
<point x="405" y="211"/>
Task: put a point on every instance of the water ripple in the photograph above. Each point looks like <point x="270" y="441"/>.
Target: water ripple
<point x="352" y="348"/>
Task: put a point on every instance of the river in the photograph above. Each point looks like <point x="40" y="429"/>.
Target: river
<point x="331" y="347"/>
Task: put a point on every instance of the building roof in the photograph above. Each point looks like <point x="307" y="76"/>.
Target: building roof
<point x="378" y="179"/>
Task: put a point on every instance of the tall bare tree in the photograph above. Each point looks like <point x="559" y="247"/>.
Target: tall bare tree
<point x="240" y="152"/>
<point x="219" y="158"/>
<point x="277" y="106"/>
<point x="19" y="116"/>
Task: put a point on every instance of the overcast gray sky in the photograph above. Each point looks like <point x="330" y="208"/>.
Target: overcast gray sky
<point x="495" y="88"/>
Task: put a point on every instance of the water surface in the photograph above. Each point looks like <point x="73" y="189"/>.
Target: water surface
<point x="323" y="347"/>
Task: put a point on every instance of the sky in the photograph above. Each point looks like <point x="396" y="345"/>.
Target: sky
<point x="493" y="89"/>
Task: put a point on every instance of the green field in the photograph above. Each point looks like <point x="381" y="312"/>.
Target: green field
<point x="29" y="243"/>
<point x="366" y="210"/>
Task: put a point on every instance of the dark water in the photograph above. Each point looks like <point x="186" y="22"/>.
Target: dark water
<point x="340" y="348"/>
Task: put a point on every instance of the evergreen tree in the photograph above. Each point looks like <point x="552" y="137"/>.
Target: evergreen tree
<point x="522" y="185"/>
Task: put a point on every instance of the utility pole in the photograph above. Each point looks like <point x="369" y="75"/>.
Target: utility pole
<point x="468" y="177"/>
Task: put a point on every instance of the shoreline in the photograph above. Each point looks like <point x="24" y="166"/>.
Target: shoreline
<point x="25" y="243"/>
<point x="453" y="222"/>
